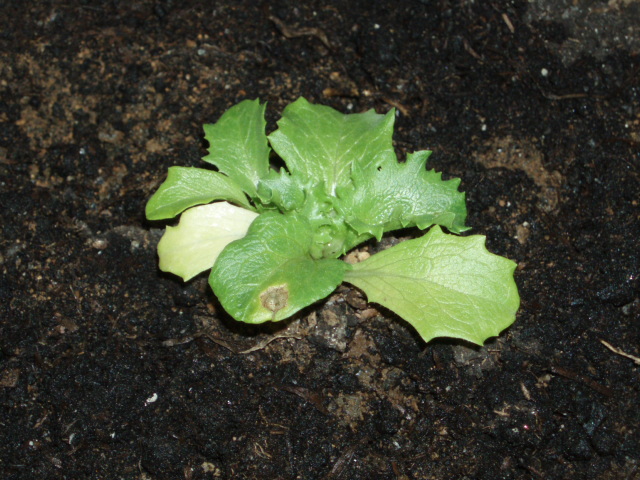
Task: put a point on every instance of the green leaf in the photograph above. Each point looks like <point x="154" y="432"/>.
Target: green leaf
<point x="238" y="144"/>
<point x="203" y="232"/>
<point x="323" y="145"/>
<point x="189" y="186"/>
<point x="443" y="285"/>
<point x="281" y="190"/>
<point x="398" y="195"/>
<point x="269" y="274"/>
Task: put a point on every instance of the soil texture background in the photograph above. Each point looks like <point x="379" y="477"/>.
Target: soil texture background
<point x="110" y="369"/>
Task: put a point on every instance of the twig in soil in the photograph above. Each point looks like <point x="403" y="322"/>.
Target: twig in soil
<point x="571" y="375"/>
<point x="292" y="32"/>
<point x="263" y="343"/>
<point x="344" y="459"/>
<point x="172" y="342"/>
<point x="471" y="51"/>
<point x="342" y="462"/>
<point x="617" y="351"/>
<point x="568" y="96"/>
<point x="552" y="96"/>
<point x="507" y="21"/>
<point x="534" y="471"/>
<point x="282" y="429"/>
<point x="404" y="110"/>
<point x="307" y="395"/>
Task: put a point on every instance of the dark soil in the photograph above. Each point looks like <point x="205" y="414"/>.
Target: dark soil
<point x="111" y="370"/>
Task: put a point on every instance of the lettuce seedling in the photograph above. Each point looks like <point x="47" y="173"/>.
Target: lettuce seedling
<point x="273" y="237"/>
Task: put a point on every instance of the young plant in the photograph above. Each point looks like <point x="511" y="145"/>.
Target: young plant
<point x="273" y="237"/>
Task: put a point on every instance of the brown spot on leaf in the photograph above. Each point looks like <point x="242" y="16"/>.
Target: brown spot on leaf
<point x="275" y="298"/>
